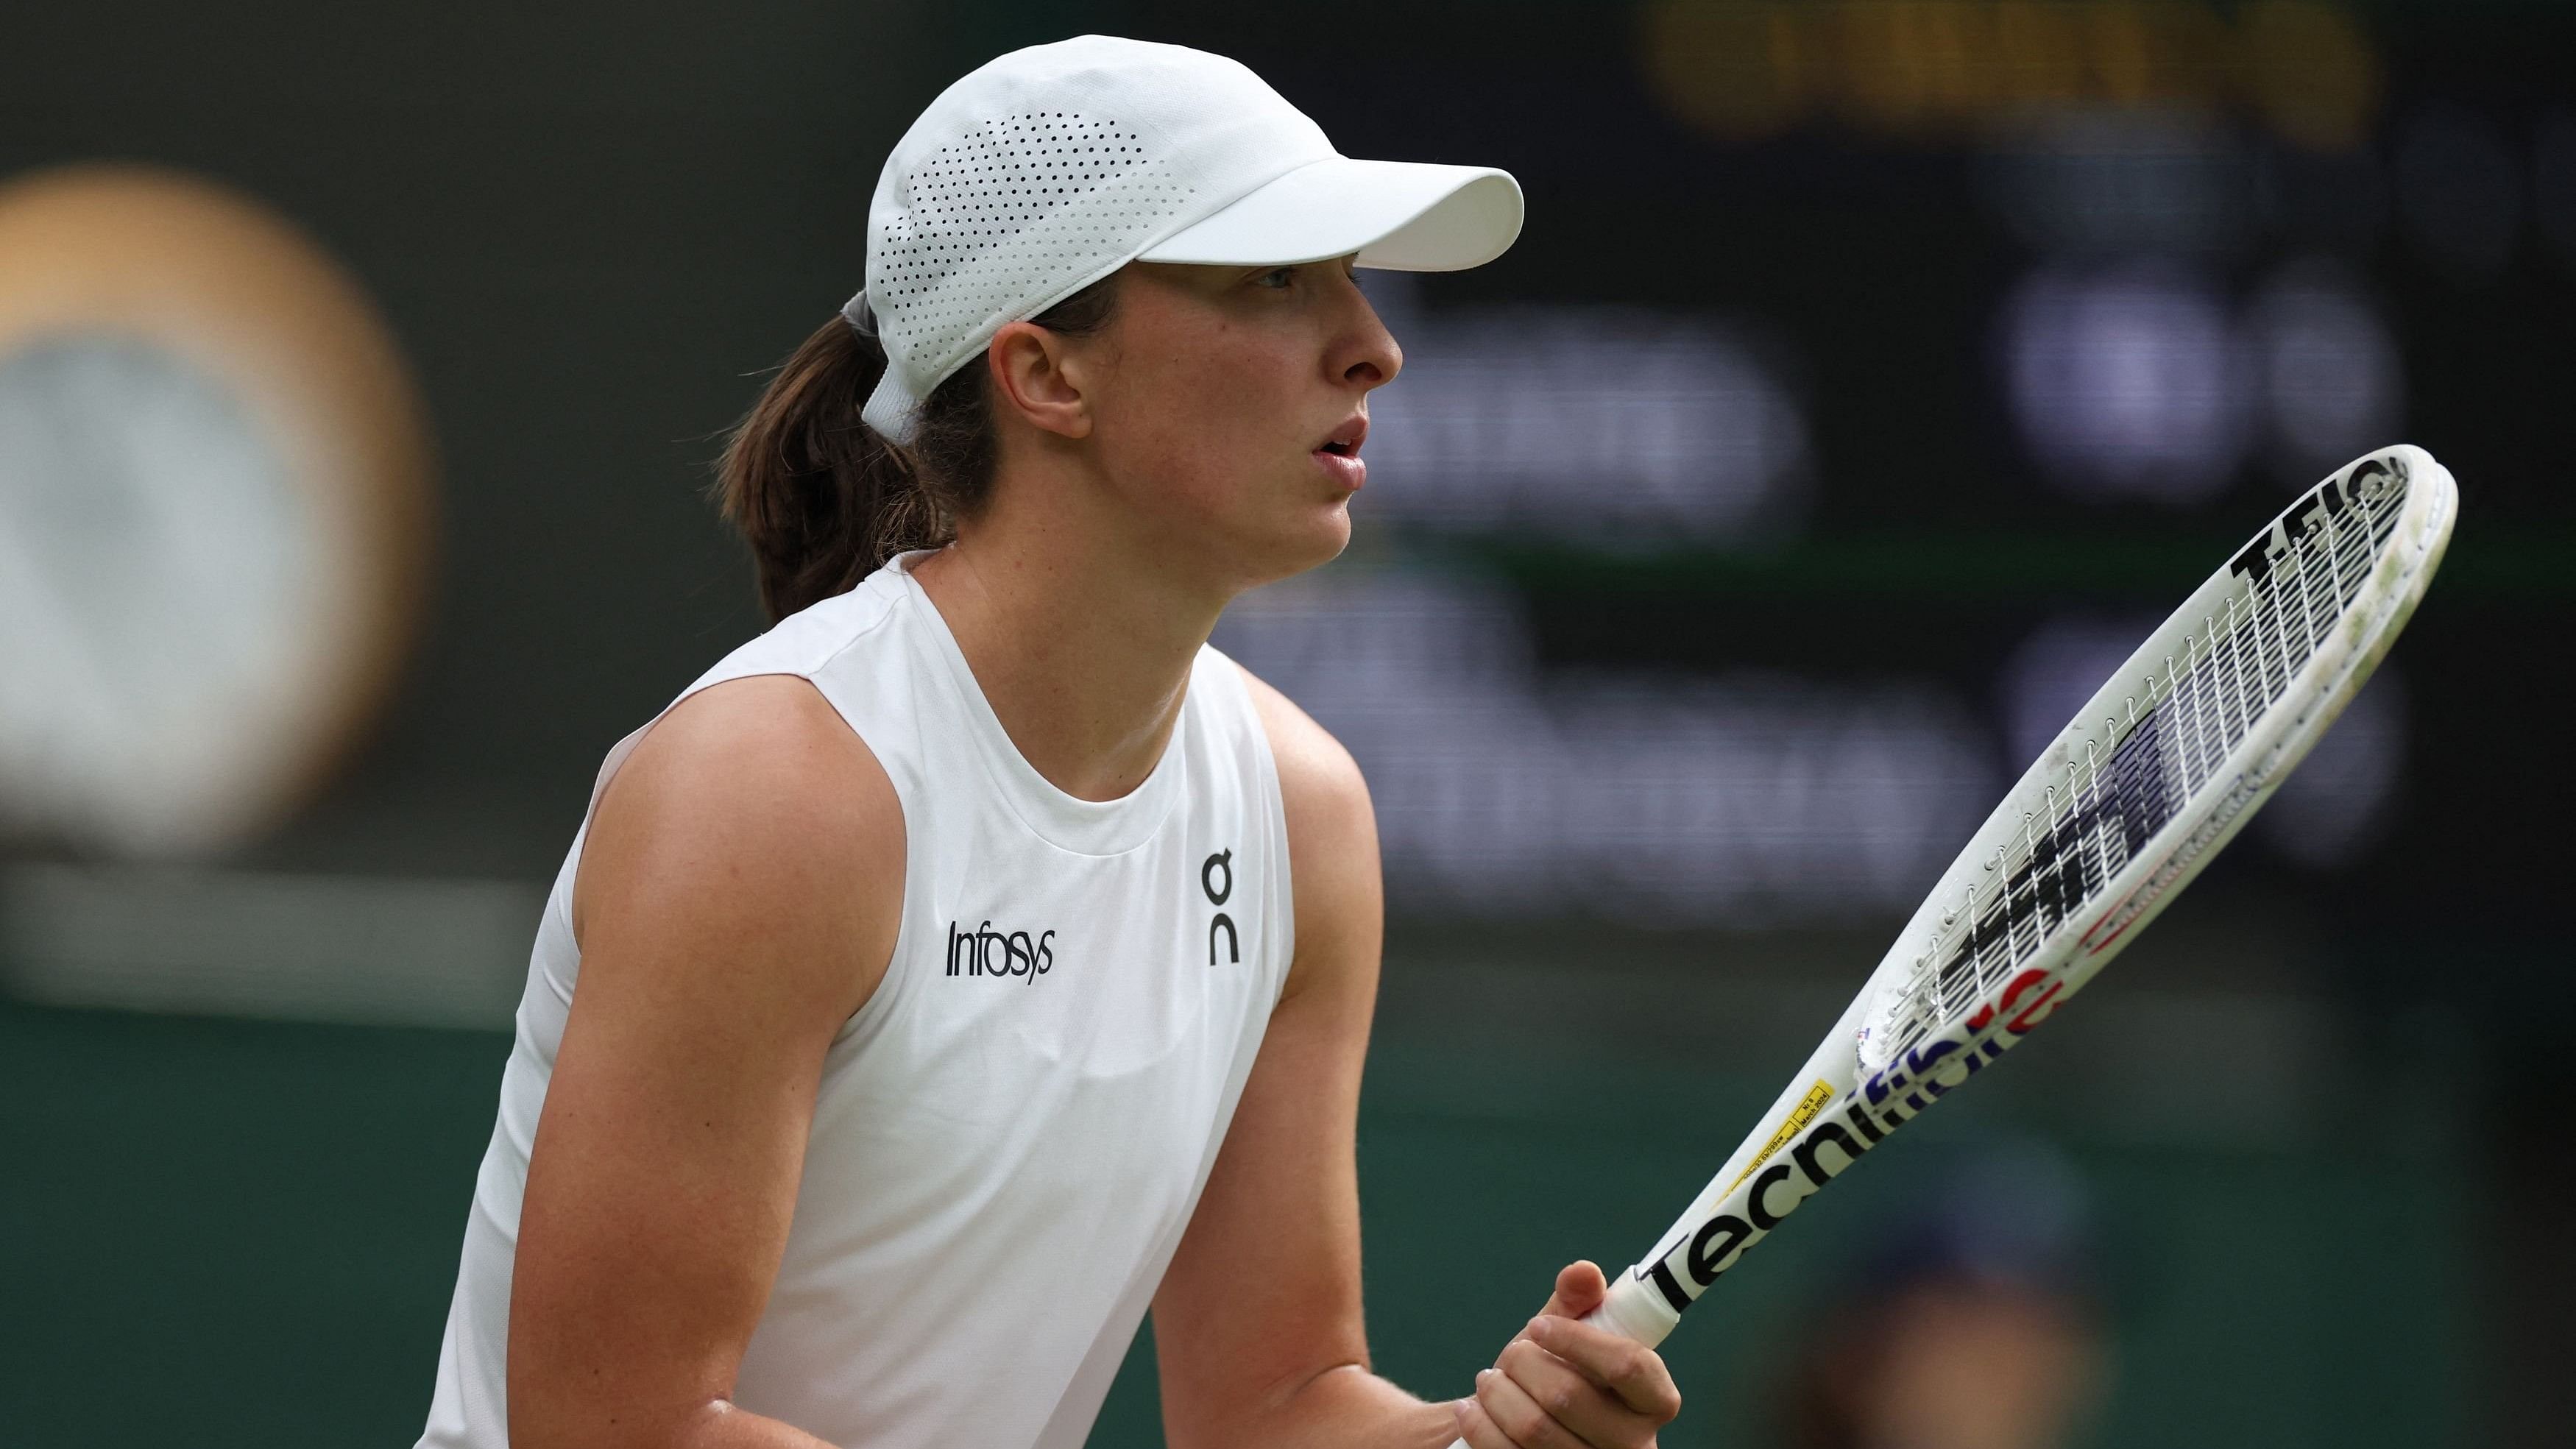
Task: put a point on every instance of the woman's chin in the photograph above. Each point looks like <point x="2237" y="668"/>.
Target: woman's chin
<point x="1327" y="536"/>
<point x="1309" y="542"/>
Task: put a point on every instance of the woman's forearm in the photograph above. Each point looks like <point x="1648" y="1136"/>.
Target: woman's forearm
<point x="715" y="1425"/>
<point x="1351" y="1408"/>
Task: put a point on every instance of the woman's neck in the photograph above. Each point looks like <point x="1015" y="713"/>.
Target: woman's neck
<point x="1083" y="655"/>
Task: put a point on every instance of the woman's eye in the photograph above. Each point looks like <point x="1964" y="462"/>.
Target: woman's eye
<point x="1277" y="277"/>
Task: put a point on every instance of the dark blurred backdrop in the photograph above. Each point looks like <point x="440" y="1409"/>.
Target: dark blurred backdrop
<point x="1868" y="378"/>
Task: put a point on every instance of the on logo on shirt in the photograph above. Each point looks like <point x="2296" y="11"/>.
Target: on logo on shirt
<point x="1216" y="878"/>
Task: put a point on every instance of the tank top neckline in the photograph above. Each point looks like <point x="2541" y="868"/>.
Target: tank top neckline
<point x="1068" y="822"/>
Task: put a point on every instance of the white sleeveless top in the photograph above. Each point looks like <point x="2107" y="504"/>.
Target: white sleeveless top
<point x="1011" y="1134"/>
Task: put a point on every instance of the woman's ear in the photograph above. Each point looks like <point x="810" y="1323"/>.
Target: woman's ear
<point x="1035" y="377"/>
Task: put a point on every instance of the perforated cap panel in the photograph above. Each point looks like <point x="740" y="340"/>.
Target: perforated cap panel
<point x="1001" y="214"/>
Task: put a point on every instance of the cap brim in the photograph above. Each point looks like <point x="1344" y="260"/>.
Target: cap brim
<point x="1402" y="216"/>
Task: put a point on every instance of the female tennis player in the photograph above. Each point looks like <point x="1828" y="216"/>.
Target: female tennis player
<point x="977" y="957"/>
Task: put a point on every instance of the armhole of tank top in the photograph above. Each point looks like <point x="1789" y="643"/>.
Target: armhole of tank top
<point x="895" y="986"/>
<point x="867" y="1011"/>
<point x="555" y="919"/>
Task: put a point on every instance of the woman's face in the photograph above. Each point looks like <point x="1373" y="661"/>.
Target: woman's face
<point x="1229" y="409"/>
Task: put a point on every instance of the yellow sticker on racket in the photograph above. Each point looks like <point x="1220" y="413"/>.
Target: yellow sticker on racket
<point x="1799" y="1116"/>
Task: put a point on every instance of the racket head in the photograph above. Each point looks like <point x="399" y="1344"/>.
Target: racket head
<point x="2182" y="744"/>
<point x="2175" y="766"/>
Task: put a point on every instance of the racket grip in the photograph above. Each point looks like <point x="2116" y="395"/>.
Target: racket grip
<point x="1633" y="1310"/>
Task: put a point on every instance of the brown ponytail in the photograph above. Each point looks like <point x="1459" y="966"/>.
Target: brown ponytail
<point x="822" y="500"/>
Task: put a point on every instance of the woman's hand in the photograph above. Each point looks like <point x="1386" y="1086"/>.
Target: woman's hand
<point x="1564" y="1384"/>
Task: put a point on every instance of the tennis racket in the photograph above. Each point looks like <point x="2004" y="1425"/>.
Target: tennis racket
<point x="2153" y="776"/>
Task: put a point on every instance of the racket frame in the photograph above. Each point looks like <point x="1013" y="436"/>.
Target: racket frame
<point x="1837" y="1108"/>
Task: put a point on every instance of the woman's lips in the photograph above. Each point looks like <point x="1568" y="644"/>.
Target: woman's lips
<point x="1343" y="468"/>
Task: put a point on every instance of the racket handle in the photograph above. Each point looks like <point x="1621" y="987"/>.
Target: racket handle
<point x="1631" y="1310"/>
<point x="1634" y="1310"/>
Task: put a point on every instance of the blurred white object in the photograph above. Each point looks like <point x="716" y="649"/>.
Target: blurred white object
<point x="2127" y="382"/>
<point x="214" y="513"/>
<point x="2333" y="384"/>
<point x="1619" y="426"/>
<point x="385" y="951"/>
<point x="2139" y="381"/>
<point x="2340" y="802"/>
<point x="1740" y="800"/>
<point x="2121" y="180"/>
<point x="156" y="568"/>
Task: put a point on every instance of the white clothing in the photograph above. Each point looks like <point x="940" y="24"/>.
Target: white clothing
<point x="1011" y="1134"/>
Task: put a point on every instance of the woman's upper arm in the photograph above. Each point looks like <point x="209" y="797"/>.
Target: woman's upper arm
<point x="737" y="899"/>
<point x="1264" y="1292"/>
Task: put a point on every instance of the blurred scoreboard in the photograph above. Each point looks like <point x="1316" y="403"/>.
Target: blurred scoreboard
<point x="1871" y="376"/>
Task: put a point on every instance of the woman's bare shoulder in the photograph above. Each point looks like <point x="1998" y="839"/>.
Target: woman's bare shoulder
<point x="749" y="801"/>
<point x="1332" y="849"/>
<point x="759" y="731"/>
<point x="1318" y="779"/>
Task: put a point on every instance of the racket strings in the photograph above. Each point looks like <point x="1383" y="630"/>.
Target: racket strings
<point x="2174" y="737"/>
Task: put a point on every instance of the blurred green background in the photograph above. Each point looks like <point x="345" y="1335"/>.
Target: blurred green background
<point x="243" y="1232"/>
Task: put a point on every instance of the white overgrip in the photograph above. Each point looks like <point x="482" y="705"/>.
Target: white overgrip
<point x="1634" y="1310"/>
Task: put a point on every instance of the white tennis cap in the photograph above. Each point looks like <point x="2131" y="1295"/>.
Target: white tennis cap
<point x="1049" y="168"/>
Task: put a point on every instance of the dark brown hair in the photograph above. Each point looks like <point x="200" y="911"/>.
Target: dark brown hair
<point x="823" y="500"/>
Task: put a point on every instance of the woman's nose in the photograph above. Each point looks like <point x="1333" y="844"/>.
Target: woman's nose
<point x="1374" y="359"/>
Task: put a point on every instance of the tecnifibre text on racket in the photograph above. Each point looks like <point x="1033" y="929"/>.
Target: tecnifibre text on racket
<point x="2157" y="772"/>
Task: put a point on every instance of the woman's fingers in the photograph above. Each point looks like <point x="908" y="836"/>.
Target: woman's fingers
<point x="1589" y="1413"/>
<point x="1563" y="1384"/>
<point x="1580" y="1287"/>
<point x="1478" y="1427"/>
<point x="1509" y="1406"/>
<point x="1625" y="1368"/>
